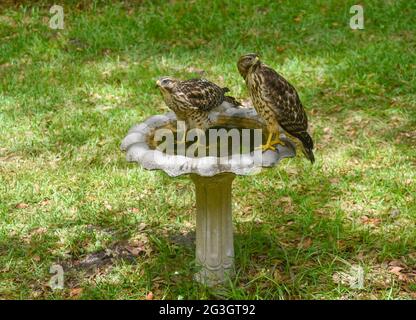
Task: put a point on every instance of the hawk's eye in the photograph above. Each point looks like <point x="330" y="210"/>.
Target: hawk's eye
<point x="165" y="81"/>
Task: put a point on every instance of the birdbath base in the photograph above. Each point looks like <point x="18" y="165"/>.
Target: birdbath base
<point x="214" y="228"/>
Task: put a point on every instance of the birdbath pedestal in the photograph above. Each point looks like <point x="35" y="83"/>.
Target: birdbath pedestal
<point x="214" y="227"/>
<point x="213" y="177"/>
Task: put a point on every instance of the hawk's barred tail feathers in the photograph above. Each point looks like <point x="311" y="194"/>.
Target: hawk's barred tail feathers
<point x="307" y="143"/>
<point x="229" y="99"/>
<point x="233" y="101"/>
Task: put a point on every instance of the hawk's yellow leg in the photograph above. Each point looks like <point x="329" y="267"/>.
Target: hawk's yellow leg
<point x="270" y="144"/>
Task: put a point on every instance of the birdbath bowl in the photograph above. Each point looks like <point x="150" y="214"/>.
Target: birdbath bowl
<point x="212" y="174"/>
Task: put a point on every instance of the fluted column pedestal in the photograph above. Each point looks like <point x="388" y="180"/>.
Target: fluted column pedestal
<point x="214" y="228"/>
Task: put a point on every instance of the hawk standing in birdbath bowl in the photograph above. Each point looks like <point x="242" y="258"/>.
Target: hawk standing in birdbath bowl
<point x="277" y="102"/>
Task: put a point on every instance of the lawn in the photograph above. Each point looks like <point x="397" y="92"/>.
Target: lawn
<point x="68" y="196"/>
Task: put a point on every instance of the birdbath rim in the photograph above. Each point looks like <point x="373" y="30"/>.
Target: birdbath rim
<point x="137" y="148"/>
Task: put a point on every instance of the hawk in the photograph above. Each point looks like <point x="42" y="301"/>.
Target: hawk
<point x="192" y="100"/>
<point x="277" y="102"/>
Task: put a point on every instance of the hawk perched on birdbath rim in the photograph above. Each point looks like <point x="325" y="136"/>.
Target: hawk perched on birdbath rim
<point x="192" y="100"/>
<point x="277" y="102"/>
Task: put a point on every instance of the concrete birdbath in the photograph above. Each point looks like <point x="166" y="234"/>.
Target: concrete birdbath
<point x="212" y="174"/>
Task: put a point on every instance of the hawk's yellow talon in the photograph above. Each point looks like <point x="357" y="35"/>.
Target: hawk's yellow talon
<point x="265" y="147"/>
<point x="277" y="141"/>
<point x="270" y="145"/>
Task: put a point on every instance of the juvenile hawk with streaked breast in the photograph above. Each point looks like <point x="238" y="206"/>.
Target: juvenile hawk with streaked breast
<point x="277" y="102"/>
<point x="192" y="100"/>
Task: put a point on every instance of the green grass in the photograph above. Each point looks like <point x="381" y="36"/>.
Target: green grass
<point x="67" y="99"/>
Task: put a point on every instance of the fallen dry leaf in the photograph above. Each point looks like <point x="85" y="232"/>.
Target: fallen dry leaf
<point x="38" y="231"/>
<point x="305" y="243"/>
<point x="396" y="263"/>
<point x="394" y="213"/>
<point x="327" y="130"/>
<point x="142" y="226"/>
<point x="139" y="245"/>
<point x="22" y="206"/>
<point x="286" y="203"/>
<point x="45" y="202"/>
<point x="314" y="111"/>
<point x="334" y="181"/>
<point x="195" y="70"/>
<point x="75" y="292"/>
<point x="36" y="294"/>
<point x="135" y="251"/>
<point x="8" y="20"/>
<point x="298" y="19"/>
<point x="396" y="270"/>
<point x="367" y="220"/>
<point x="149" y="296"/>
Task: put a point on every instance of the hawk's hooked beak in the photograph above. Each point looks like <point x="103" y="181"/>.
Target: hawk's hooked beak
<point x="256" y="59"/>
<point x="158" y="84"/>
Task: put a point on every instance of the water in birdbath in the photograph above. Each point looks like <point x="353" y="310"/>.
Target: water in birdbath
<point x="228" y="137"/>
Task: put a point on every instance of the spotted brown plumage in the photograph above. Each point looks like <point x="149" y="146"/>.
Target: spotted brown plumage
<point x="192" y="100"/>
<point x="277" y="102"/>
